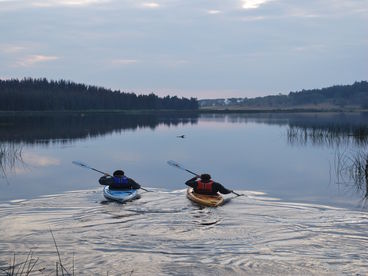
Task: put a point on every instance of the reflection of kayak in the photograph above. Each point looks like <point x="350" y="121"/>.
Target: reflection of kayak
<point x="205" y="200"/>
<point x="120" y="195"/>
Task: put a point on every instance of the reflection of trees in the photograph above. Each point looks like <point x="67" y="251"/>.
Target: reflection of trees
<point x="329" y="129"/>
<point x="339" y="131"/>
<point x="303" y="128"/>
<point x="65" y="128"/>
<point x="336" y="131"/>
<point x="331" y="135"/>
<point x="10" y="155"/>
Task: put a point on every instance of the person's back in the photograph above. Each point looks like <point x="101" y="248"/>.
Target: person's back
<point x="204" y="185"/>
<point x="118" y="181"/>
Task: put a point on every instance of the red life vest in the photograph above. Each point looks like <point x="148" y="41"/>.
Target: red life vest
<point x="204" y="187"/>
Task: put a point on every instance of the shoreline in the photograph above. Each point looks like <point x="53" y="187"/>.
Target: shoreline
<point x="176" y="112"/>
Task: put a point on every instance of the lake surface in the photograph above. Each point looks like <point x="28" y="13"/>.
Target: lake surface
<point x="304" y="211"/>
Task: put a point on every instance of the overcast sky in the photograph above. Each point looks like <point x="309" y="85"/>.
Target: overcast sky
<point x="199" y="48"/>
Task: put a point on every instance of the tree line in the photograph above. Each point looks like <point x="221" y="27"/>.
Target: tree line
<point x="41" y="95"/>
<point x="338" y="95"/>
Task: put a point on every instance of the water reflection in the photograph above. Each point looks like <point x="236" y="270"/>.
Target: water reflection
<point x="327" y="129"/>
<point x="242" y="149"/>
<point x="46" y="129"/>
<point x="317" y="129"/>
<point x="347" y="134"/>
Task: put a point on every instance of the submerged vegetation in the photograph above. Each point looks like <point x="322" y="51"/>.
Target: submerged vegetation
<point x="43" y="95"/>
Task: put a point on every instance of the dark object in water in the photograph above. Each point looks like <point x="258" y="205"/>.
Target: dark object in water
<point x="181" y="136"/>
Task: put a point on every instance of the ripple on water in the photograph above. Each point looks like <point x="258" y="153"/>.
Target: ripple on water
<point x="164" y="233"/>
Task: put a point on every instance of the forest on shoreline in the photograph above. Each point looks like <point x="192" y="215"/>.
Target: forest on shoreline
<point x="43" y="95"/>
<point x="338" y="97"/>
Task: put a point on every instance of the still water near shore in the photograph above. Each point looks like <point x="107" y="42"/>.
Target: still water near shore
<point x="302" y="213"/>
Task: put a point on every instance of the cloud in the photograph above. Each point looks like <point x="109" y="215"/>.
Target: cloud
<point x="51" y="3"/>
<point x="34" y="59"/>
<point x="310" y="48"/>
<point x="150" y="5"/>
<point x="10" y="49"/>
<point x="125" y="61"/>
<point x="213" y="11"/>
<point x="253" y="18"/>
<point x="253" y="4"/>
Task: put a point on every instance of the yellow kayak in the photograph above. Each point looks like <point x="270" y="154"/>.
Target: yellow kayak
<point x="205" y="200"/>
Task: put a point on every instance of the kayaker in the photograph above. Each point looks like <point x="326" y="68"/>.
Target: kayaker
<point x="118" y="181"/>
<point x="205" y="185"/>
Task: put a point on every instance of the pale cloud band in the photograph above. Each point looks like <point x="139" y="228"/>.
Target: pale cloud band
<point x="125" y="61"/>
<point x="51" y="3"/>
<point x="35" y="59"/>
<point x="11" y="49"/>
<point x="151" y="5"/>
<point x="254" y="4"/>
<point x="213" y="11"/>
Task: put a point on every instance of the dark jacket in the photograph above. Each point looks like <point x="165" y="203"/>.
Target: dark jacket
<point x="216" y="187"/>
<point x="109" y="180"/>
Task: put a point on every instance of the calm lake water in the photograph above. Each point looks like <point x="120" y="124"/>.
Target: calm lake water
<point x="304" y="211"/>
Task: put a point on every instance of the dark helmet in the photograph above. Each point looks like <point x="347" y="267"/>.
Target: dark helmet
<point x="118" y="173"/>
<point x="205" y="177"/>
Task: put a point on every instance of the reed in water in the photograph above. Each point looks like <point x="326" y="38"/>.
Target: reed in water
<point x="10" y="156"/>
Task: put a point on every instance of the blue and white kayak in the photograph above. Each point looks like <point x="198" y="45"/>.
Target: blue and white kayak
<point x="120" y="195"/>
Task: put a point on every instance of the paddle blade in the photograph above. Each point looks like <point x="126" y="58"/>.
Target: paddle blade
<point x="80" y="164"/>
<point x="175" y="164"/>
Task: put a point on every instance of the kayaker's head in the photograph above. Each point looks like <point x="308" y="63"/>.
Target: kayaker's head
<point x="205" y="177"/>
<point x="118" y="173"/>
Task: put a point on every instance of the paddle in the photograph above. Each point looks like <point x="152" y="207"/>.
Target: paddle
<point x="84" y="165"/>
<point x="180" y="167"/>
<point x="177" y="165"/>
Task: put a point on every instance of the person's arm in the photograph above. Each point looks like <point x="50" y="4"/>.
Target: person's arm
<point x="105" y="180"/>
<point x="221" y="188"/>
<point x="133" y="184"/>
<point x="192" y="182"/>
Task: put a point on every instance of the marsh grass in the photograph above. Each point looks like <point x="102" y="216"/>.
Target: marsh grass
<point x="359" y="172"/>
<point x="10" y="157"/>
<point x="331" y="136"/>
<point x="351" y="170"/>
<point x="25" y="267"/>
<point x="30" y="266"/>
